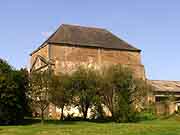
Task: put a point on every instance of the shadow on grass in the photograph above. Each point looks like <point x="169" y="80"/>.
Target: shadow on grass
<point x="101" y="120"/>
<point x="60" y="122"/>
<point x="67" y="121"/>
<point x="32" y="121"/>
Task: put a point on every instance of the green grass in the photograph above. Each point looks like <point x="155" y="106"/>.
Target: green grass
<point x="156" y="127"/>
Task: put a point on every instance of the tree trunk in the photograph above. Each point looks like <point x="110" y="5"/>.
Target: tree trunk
<point x="113" y="102"/>
<point x="85" y="115"/>
<point x="62" y="113"/>
<point x="42" y="117"/>
<point x="85" y="110"/>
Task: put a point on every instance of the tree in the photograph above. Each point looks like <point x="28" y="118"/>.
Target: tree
<point x="61" y="93"/>
<point x="40" y="87"/>
<point x="12" y="94"/>
<point x="142" y="89"/>
<point x="120" y="91"/>
<point x="85" y="85"/>
<point x="21" y="78"/>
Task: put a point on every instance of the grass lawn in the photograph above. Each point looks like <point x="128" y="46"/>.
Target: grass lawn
<point x="156" y="127"/>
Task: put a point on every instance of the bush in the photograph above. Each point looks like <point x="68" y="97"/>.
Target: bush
<point x="124" y="112"/>
<point x="145" y="115"/>
<point x="71" y="117"/>
<point x="148" y="113"/>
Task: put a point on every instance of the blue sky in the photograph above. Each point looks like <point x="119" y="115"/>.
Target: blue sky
<point x="151" y="25"/>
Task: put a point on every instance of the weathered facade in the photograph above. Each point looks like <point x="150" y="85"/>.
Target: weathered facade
<point x="71" y="46"/>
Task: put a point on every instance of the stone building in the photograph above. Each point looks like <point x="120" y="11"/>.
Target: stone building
<point x="166" y="96"/>
<point x="71" y="46"/>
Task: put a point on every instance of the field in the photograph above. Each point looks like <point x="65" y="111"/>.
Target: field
<point x="156" y="127"/>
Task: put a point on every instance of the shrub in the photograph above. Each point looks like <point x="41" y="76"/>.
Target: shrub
<point x="145" y="115"/>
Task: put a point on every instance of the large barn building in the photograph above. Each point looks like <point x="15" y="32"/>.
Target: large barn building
<point x="71" y="46"/>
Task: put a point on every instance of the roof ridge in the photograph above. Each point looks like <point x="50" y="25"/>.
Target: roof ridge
<point x="166" y="80"/>
<point x="83" y="26"/>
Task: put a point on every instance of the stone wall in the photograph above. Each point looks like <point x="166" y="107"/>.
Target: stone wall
<point x="67" y="58"/>
<point x="42" y="52"/>
<point x="165" y="108"/>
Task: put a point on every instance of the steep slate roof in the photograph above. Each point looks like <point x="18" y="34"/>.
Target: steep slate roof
<point x="87" y="37"/>
<point x="166" y="86"/>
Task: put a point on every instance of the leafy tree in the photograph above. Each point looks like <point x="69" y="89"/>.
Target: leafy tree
<point x="12" y="94"/>
<point x="61" y="93"/>
<point x="21" y="78"/>
<point x="120" y="91"/>
<point x="141" y="90"/>
<point x="40" y="84"/>
<point x="85" y="85"/>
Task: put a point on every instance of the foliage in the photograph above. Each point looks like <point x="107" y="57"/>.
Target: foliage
<point x="5" y="68"/>
<point x="89" y="89"/>
<point x="13" y="99"/>
<point x="39" y="94"/>
<point x="85" y="86"/>
<point x="97" y="111"/>
<point x="121" y="93"/>
<point x="146" y="115"/>
<point x="71" y="117"/>
<point x="60" y="93"/>
<point x="21" y="78"/>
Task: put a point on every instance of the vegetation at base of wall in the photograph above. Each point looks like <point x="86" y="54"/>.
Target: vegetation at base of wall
<point x="146" y="115"/>
<point x="177" y="112"/>
<point x="60" y="91"/>
<point x="148" y="112"/>
<point x="87" y="88"/>
<point x="124" y="93"/>
<point x="114" y="88"/>
<point x="39" y="91"/>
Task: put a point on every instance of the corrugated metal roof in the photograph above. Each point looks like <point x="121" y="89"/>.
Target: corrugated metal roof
<point x="166" y="86"/>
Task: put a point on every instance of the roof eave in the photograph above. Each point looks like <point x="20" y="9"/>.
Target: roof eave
<point x="90" y="46"/>
<point x="43" y="45"/>
<point x="78" y="45"/>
